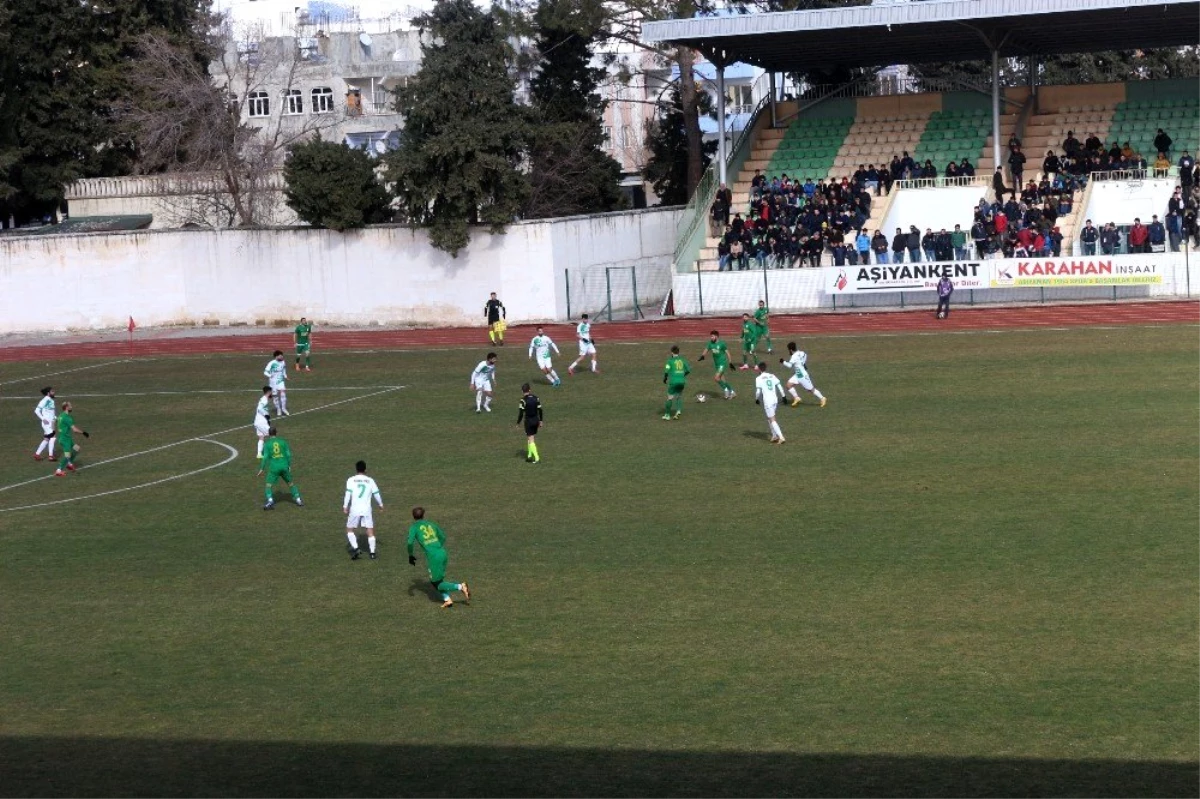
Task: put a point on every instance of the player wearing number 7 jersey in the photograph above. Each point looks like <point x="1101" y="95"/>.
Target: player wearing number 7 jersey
<point x="798" y="362"/>
<point x="433" y="542"/>
<point x="360" y="490"/>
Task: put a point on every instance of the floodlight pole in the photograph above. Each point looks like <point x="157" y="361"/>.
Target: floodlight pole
<point x="996" y="108"/>
<point x="721" y="154"/>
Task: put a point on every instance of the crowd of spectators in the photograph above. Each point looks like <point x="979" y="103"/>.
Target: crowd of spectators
<point x="789" y="223"/>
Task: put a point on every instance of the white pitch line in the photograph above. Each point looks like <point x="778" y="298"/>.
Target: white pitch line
<point x="233" y="453"/>
<point x="64" y="372"/>
<point x="73" y="395"/>
<point x="202" y="437"/>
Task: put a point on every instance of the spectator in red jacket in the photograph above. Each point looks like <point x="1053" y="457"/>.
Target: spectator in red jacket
<point x="1139" y="234"/>
<point x="1001" y="220"/>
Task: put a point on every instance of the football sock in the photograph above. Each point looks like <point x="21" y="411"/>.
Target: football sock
<point x="50" y="452"/>
<point x="445" y="586"/>
<point x="445" y="596"/>
<point x="295" y="491"/>
<point x="65" y="460"/>
<point x="352" y="538"/>
<point x="818" y="394"/>
<point x="667" y="407"/>
<point x="550" y="377"/>
<point x="554" y="374"/>
<point x="275" y="399"/>
<point x="42" y="446"/>
<point x="534" y="451"/>
<point x="260" y="446"/>
<point x="487" y="403"/>
<point x="307" y="361"/>
<point x="270" y="495"/>
<point x="725" y="384"/>
<point x="371" y="543"/>
<point x="529" y="449"/>
<point x="792" y="391"/>
<point x="594" y="367"/>
<point x="492" y="336"/>
<point x="283" y="401"/>
<point x="775" y="429"/>
<point x="478" y="400"/>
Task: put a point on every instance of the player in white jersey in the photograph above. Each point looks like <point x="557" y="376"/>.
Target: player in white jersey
<point x="262" y="418"/>
<point x="587" y="345"/>
<point x="360" y="490"/>
<point x="483" y="383"/>
<point x="800" y="377"/>
<point x="542" y="344"/>
<point x="276" y="374"/>
<point x="767" y="392"/>
<point x="47" y="415"/>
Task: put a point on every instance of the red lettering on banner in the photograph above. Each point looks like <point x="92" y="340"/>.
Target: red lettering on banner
<point x="1028" y="269"/>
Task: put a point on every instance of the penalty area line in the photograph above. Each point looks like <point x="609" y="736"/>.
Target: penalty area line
<point x="233" y="453"/>
<point x="202" y="437"/>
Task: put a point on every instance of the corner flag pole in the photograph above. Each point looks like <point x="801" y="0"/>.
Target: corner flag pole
<point x="131" y="328"/>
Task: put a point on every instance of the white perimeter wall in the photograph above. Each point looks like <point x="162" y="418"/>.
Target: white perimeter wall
<point x="384" y="275"/>
<point x="933" y="208"/>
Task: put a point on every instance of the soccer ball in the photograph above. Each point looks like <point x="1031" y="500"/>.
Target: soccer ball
<point x="701" y="398"/>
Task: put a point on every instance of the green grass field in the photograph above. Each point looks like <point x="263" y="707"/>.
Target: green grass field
<point x="975" y="572"/>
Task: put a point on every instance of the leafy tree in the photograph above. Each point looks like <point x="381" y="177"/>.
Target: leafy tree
<point x="569" y="171"/>
<point x="667" y="141"/>
<point x="465" y="138"/>
<point x="61" y="69"/>
<point x="334" y="186"/>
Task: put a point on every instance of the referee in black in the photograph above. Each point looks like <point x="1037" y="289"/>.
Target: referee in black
<point x="530" y="412"/>
<point x="493" y="311"/>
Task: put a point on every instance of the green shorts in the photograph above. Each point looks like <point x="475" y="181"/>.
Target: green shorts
<point x="66" y="444"/>
<point x="437" y="560"/>
<point x="720" y="367"/>
<point x="748" y="345"/>
<point x="675" y="389"/>
<point x="278" y="474"/>
<point x="302" y="349"/>
<point x="763" y="332"/>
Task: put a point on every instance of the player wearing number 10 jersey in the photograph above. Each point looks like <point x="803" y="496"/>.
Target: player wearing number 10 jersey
<point x="360" y="491"/>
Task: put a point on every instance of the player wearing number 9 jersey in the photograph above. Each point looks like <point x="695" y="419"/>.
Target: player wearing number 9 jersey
<point x="360" y="490"/>
<point x="767" y="392"/>
<point x="433" y="543"/>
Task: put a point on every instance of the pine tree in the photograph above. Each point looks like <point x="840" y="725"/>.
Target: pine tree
<point x="667" y="141"/>
<point x="334" y="186"/>
<point x="569" y="171"/>
<point x="464" y="136"/>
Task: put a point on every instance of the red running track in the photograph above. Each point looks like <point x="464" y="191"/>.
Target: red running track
<point x="962" y="318"/>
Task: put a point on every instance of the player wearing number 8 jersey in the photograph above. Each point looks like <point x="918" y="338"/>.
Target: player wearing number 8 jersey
<point x="277" y="465"/>
<point x="433" y="543"/>
<point x="360" y="491"/>
<point x="798" y="361"/>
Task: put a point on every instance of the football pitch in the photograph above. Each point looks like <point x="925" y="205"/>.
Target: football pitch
<point x="975" y="572"/>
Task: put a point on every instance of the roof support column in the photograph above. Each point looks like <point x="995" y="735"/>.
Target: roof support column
<point x="996" y="108"/>
<point x="771" y="88"/>
<point x="722" y="154"/>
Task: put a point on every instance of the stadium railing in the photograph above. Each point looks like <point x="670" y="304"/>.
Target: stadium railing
<point x="941" y="182"/>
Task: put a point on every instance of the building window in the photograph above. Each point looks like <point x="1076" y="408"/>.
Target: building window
<point x="606" y="132"/>
<point x="260" y="104"/>
<point x="293" y="102"/>
<point x="322" y="100"/>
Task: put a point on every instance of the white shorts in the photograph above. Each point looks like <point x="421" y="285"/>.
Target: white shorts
<point x="544" y="363"/>
<point x="47" y="428"/>
<point x="482" y="384"/>
<point x="353" y="522"/>
<point x="277" y="386"/>
<point x="586" y="348"/>
<point x="262" y="426"/>
<point x="769" y="408"/>
<point x="804" y="382"/>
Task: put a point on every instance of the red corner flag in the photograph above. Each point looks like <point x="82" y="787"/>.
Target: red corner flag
<point x="132" y="324"/>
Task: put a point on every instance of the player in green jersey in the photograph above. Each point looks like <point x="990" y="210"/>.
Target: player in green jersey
<point x="277" y="464"/>
<point x="720" y="354"/>
<point x="762" y="320"/>
<point x="675" y="376"/>
<point x="66" y="439"/>
<point x="749" y="341"/>
<point x="304" y="344"/>
<point x="433" y="543"/>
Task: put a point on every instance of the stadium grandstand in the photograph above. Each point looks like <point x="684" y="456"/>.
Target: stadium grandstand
<point x="917" y="164"/>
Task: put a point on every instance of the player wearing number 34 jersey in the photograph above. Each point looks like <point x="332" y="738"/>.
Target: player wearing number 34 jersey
<point x="360" y="491"/>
